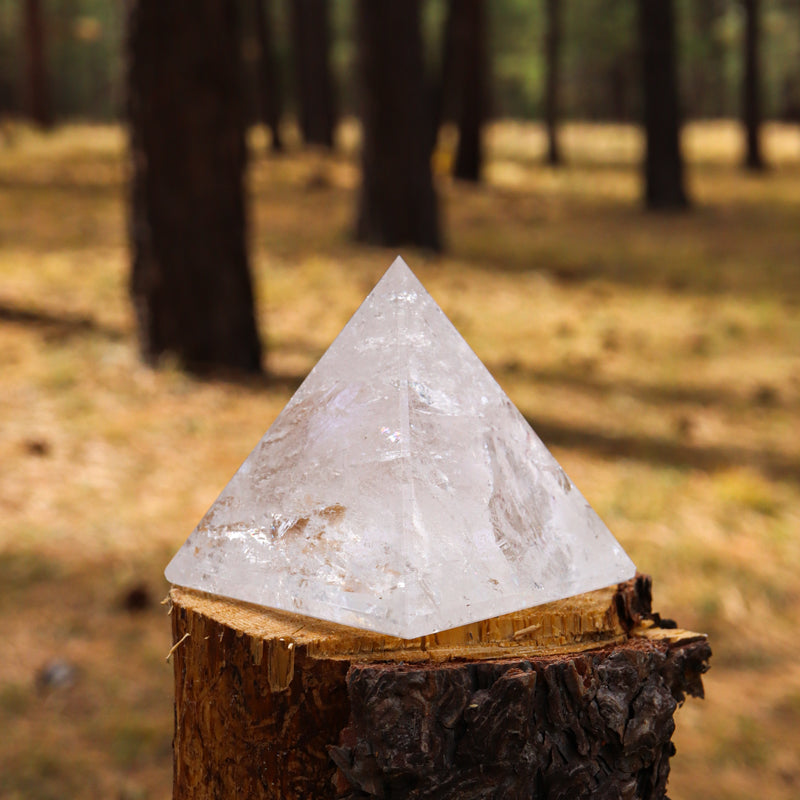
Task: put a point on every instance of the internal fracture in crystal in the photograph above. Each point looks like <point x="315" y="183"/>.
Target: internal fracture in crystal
<point x="400" y="490"/>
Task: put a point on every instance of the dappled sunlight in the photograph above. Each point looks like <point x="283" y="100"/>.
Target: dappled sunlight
<point x="657" y="356"/>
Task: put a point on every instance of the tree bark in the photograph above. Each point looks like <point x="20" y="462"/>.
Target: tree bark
<point x="310" y="27"/>
<point x="270" y="100"/>
<point x="190" y="279"/>
<point x="751" y="95"/>
<point x="568" y="701"/>
<point x="552" y="69"/>
<point x="397" y="203"/>
<point x="468" y="22"/>
<point x="594" y="725"/>
<point x="444" y="85"/>
<point x="37" y="91"/>
<point x="663" y="168"/>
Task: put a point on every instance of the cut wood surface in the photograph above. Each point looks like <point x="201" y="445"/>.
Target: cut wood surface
<point x="567" y="625"/>
<point x="572" y="699"/>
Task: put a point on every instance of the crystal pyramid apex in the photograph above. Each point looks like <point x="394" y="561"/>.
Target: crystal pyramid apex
<point x="400" y="490"/>
<point x="399" y="276"/>
<point x="397" y="264"/>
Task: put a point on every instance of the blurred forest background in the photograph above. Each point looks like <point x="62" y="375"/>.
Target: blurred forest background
<point x="604" y="197"/>
<point x="600" y="63"/>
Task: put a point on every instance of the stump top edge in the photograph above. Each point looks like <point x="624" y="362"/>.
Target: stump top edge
<point x="577" y="623"/>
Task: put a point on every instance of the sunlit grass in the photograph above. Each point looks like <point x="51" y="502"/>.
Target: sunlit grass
<point x="658" y="357"/>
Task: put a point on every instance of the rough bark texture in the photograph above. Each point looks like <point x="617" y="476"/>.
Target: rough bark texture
<point x="270" y="100"/>
<point x="190" y="279"/>
<point x="310" y="28"/>
<point x="397" y="204"/>
<point x="549" y="724"/>
<point x="591" y="725"/>
<point x="552" y="42"/>
<point x="664" y="187"/>
<point x="37" y="90"/>
<point x="751" y="94"/>
<point x="469" y="32"/>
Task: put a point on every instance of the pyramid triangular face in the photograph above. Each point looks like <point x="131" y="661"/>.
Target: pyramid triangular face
<point x="400" y="490"/>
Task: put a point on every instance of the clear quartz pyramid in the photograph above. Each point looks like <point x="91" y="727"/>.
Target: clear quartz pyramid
<point x="400" y="490"/>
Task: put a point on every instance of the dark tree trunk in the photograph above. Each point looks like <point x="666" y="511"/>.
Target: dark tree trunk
<point x="37" y="92"/>
<point x="190" y="279"/>
<point x="461" y="95"/>
<point x="397" y="202"/>
<point x="310" y="27"/>
<point x="445" y="86"/>
<point x="471" y="56"/>
<point x="552" y="48"/>
<point x="270" y="100"/>
<point x="663" y="170"/>
<point x="751" y="106"/>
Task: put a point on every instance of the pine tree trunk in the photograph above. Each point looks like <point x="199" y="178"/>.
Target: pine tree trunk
<point x="397" y="203"/>
<point x="270" y="100"/>
<point x="445" y="86"/>
<point x="310" y="27"/>
<point x="190" y="279"/>
<point x="664" y="188"/>
<point x="752" y="86"/>
<point x="470" y="36"/>
<point x="552" y="53"/>
<point x="570" y="701"/>
<point x="37" y="90"/>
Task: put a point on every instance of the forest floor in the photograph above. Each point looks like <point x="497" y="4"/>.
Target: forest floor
<point x="658" y="357"/>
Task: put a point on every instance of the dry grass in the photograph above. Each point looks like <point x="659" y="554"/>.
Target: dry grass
<point x="658" y="356"/>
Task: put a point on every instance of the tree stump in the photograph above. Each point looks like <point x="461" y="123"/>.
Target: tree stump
<point x="574" y="699"/>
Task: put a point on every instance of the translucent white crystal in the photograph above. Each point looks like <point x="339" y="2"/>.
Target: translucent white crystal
<point x="400" y="490"/>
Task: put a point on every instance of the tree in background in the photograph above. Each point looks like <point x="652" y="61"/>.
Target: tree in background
<point x="37" y="92"/>
<point x="270" y="100"/>
<point x="552" y="48"/>
<point x="466" y="79"/>
<point x="310" y="27"/>
<point x="190" y="279"/>
<point x="663" y="167"/>
<point x="751" y="94"/>
<point x="397" y="203"/>
<point x="599" y="65"/>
